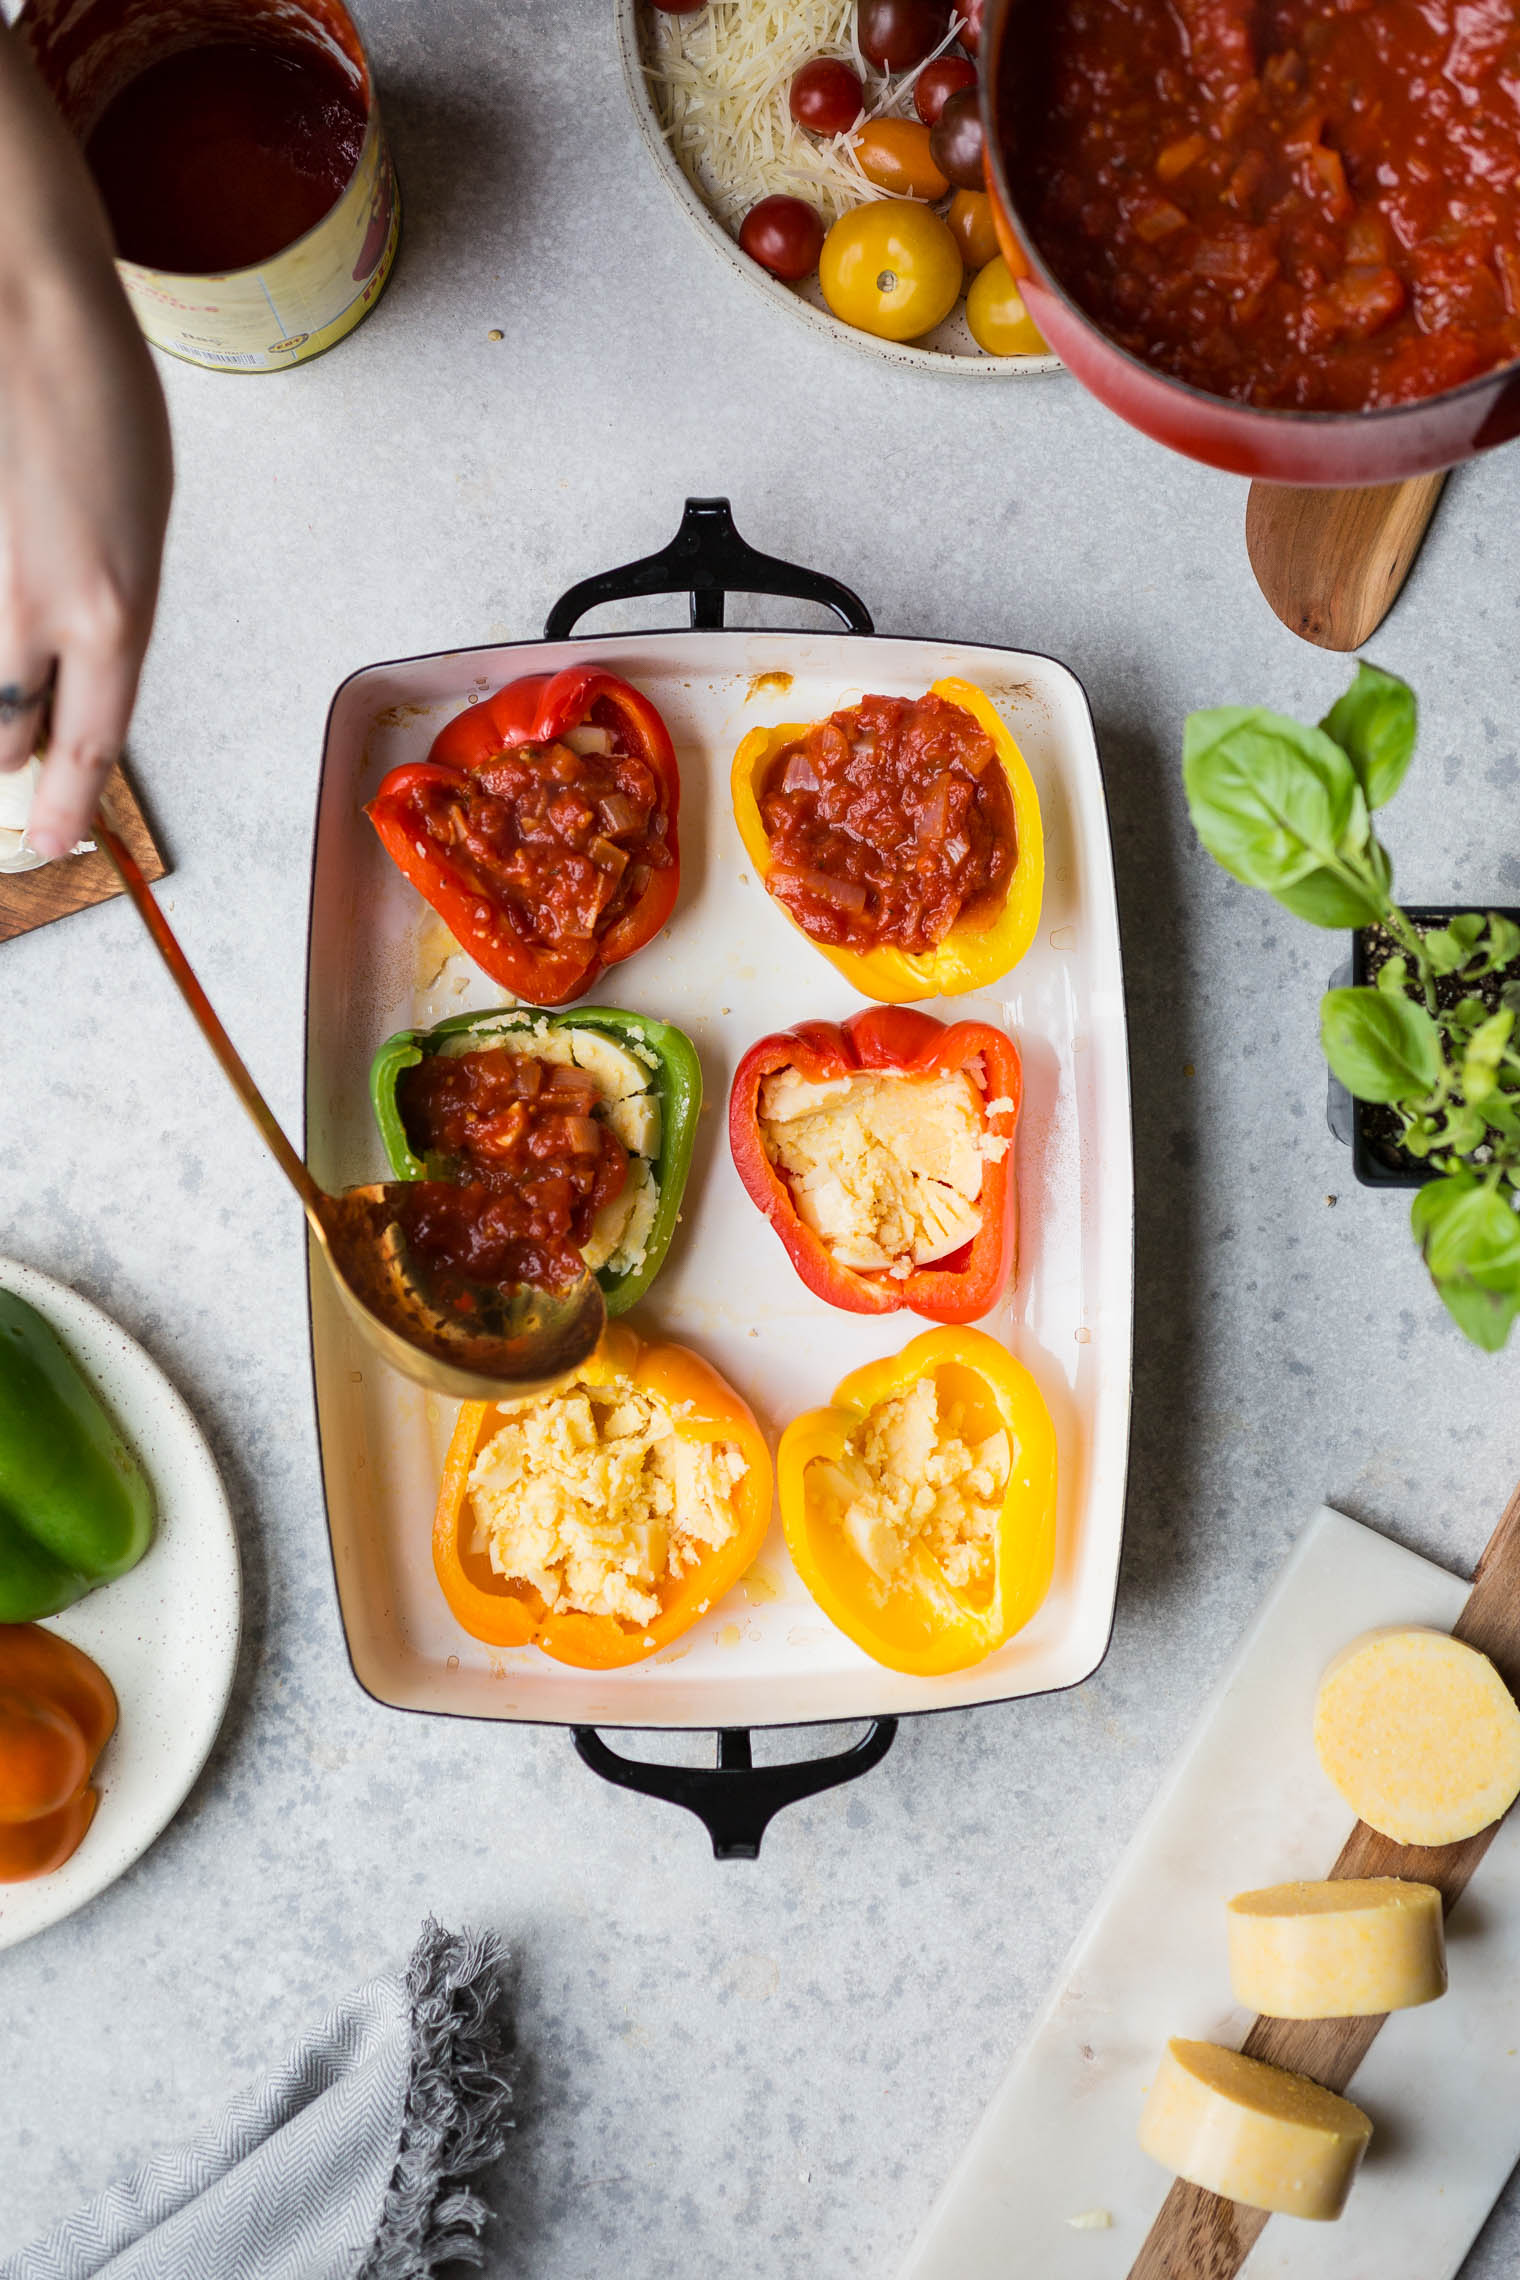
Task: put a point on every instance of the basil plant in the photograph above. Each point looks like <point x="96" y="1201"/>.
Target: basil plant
<point x="1289" y="809"/>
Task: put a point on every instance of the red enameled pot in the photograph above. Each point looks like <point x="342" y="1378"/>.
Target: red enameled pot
<point x="1338" y="448"/>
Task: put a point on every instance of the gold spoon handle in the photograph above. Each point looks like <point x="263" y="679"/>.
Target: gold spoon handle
<point x="206" y="1021"/>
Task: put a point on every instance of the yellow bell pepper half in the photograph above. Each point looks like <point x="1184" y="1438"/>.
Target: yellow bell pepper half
<point x="922" y="1623"/>
<point x="971" y="956"/>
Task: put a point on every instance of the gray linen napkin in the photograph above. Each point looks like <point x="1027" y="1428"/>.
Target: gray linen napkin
<point x="347" y="2163"/>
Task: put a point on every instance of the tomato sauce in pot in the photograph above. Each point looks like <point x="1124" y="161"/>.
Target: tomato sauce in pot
<point x="889" y="824"/>
<point x="219" y="157"/>
<point x="534" y="1166"/>
<point x="1306" y="204"/>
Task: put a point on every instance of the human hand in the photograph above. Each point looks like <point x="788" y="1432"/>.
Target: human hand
<point x="85" y="469"/>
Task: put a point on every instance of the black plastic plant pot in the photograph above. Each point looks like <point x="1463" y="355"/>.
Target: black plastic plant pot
<point x="1377" y="1160"/>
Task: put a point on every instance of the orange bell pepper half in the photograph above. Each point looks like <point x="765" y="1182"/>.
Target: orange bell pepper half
<point x="512" y="1613"/>
<point x="544" y="911"/>
<point x="57" y="1712"/>
<point x="975" y="952"/>
<point x="921" y="1622"/>
<point x="895" y="1040"/>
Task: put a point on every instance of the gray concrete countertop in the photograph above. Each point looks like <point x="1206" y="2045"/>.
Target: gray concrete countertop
<point x="769" y="2067"/>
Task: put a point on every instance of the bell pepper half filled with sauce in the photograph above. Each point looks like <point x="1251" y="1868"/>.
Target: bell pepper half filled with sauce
<point x="602" y="1519"/>
<point x="920" y="1506"/>
<point x="881" y="1152"/>
<point x="902" y="836"/>
<point x="76" y="1508"/>
<point x="544" y="1140"/>
<point x="57" y="1712"/>
<point x="542" y="829"/>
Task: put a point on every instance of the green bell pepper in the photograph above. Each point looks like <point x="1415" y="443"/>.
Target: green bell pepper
<point x="76" y="1507"/>
<point x="675" y="1083"/>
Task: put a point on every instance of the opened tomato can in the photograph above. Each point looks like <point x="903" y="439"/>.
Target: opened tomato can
<point x="239" y="149"/>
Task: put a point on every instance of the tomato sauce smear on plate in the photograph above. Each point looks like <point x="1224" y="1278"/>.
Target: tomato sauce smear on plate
<point x="533" y="1165"/>
<point x="888" y="824"/>
<point x="1299" y="204"/>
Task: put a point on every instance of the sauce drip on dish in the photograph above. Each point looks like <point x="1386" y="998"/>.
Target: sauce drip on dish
<point x="1297" y="205"/>
<point x="537" y="1166"/>
<point x="219" y="157"/>
<point x="888" y="823"/>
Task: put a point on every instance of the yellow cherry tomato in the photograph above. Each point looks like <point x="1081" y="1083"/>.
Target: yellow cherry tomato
<point x="895" y="155"/>
<point x="892" y="268"/>
<point x="970" y="219"/>
<point x="999" y="321"/>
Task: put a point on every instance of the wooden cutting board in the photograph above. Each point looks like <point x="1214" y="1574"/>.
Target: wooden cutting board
<point x="30" y="899"/>
<point x="1246" y="1804"/>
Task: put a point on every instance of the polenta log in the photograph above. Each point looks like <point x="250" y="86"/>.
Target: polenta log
<point x="1345" y="1949"/>
<point x="1420" y="1735"/>
<point x="1253" y="2132"/>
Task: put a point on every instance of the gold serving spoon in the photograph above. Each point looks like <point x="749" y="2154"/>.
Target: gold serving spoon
<point x="466" y="1339"/>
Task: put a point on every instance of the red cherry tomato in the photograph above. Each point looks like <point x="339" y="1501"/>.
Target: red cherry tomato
<point x="827" y="97"/>
<point x="784" y="236"/>
<point x="937" y="82"/>
<point x="896" y="34"/>
<point x="970" y="34"/>
<point x="957" y="141"/>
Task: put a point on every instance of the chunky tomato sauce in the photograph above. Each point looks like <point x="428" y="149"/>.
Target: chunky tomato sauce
<point x="220" y="156"/>
<point x="533" y="1166"/>
<point x="1296" y="203"/>
<point x="567" y="840"/>
<point x="888" y="823"/>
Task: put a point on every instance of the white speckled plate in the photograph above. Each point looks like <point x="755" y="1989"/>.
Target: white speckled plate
<point x="166" y="1635"/>
<point x="949" y="349"/>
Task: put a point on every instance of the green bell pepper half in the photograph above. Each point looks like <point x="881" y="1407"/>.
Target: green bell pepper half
<point x="76" y="1507"/>
<point x="675" y="1080"/>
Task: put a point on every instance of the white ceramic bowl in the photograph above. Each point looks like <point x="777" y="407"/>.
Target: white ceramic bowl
<point x="165" y="1634"/>
<point x="949" y="349"/>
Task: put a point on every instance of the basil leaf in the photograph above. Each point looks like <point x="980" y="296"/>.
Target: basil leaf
<point x="1326" y="900"/>
<point x="1470" y="1237"/>
<point x="1444" y="950"/>
<point x="1485" y="1051"/>
<point x="1392" y="976"/>
<point x="1271" y="800"/>
<point x="1381" y="1048"/>
<point x="1503" y="944"/>
<point x="1464" y="1129"/>
<point x="1374" y="724"/>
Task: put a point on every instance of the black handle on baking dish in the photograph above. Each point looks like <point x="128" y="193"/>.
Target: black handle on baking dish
<point x="736" y="1800"/>
<point x="708" y="560"/>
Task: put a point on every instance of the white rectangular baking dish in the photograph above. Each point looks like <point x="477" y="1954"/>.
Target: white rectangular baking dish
<point x="728" y="968"/>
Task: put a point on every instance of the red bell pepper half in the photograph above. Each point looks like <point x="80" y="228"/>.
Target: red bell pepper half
<point x="542" y="829"/>
<point x="880" y="1040"/>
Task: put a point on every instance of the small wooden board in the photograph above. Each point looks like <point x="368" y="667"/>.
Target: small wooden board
<point x="30" y="899"/>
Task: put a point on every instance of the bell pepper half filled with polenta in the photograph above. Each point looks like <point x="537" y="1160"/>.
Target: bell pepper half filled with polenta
<point x="920" y="1506"/>
<point x="603" y="1518"/>
<point x="902" y="836"/>
<point x="881" y="1152"/>
<point x="544" y="1141"/>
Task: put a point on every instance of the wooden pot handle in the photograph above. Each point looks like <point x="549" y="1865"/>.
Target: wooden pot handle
<point x="1331" y="563"/>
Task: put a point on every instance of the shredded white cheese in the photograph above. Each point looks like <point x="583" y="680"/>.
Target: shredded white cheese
<point x="591" y="1495"/>
<point x="909" y="1478"/>
<point x="721" y="79"/>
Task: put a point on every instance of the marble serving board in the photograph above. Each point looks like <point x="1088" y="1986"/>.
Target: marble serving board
<point x="1247" y="1804"/>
